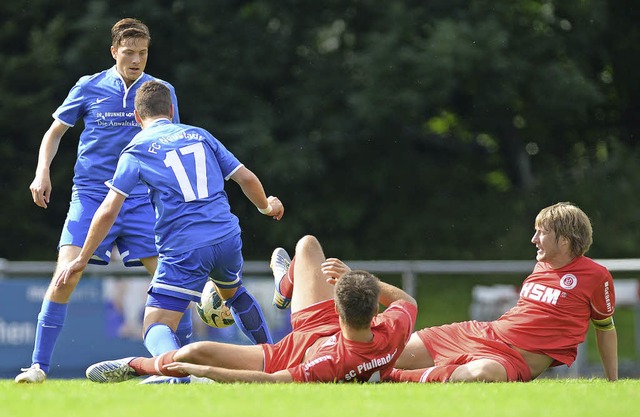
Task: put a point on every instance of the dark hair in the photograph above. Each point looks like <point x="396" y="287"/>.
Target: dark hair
<point x="129" y="28"/>
<point x="153" y="98"/>
<point x="357" y="294"/>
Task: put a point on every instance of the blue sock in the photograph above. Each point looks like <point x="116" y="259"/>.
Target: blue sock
<point x="159" y="338"/>
<point x="185" y="328"/>
<point x="50" y="322"/>
<point x="248" y="316"/>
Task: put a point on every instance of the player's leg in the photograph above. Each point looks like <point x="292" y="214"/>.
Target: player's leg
<point x="53" y="311"/>
<point x="416" y="363"/>
<point x="184" y="332"/>
<point x="247" y="314"/>
<point x="484" y="370"/>
<point x="249" y="357"/>
<point x="280" y="264"/>
<point x="136" y="241"/>
<point x="161" y="317"/>
<point x="310" y="285"/>
<point x="203" y="353"/>
<point x="464" y="351"/>
<point x="225" y="355"/>
<point x="479" y="370"/>
<point x="178" y="281"/>
<point x="415" y="355"/>
<point x="185" y="327"/>
<point x="51" y="318"/>
<point x="161" y="320"/>
<point x="227" y="276"/>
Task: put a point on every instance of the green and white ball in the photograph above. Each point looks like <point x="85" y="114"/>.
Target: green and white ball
<point x="212" y="310"/>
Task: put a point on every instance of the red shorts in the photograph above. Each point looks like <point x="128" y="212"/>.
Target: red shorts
<point x="309" y="324"/>
<point x="460" y="343"/>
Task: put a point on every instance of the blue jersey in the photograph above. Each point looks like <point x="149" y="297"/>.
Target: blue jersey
<point x="185" y="168"/>
<point x="106" y="106"/>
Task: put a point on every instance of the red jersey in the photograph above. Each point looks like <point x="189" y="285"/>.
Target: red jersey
<point x="342" y="360"/>
<point x="555" y="306"/>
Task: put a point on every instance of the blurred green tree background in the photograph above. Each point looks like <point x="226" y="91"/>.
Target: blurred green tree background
<point x="391" y="130"/>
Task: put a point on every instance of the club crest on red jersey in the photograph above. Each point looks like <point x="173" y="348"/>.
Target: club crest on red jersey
<point x="568" y="281"/>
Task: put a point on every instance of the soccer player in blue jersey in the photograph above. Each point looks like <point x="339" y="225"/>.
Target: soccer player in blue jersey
<point x="105" y="103"/>
<point x="197" y="236"/>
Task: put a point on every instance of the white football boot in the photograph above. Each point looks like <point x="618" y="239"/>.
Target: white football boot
<point x="31" y="375"/>
<point x="111" y="371"/>
<point x="280" y="262"/>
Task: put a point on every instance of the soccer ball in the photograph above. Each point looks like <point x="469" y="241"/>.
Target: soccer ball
<point x="211" y="309"/>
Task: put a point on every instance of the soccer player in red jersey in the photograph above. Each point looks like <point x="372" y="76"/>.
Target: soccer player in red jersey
<point x="564" y="292"/>
<point x="338" y="334"/>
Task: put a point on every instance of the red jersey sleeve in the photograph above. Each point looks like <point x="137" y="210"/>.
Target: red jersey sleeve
<point x="402" y="316"/>
<point x="603" y="299"/>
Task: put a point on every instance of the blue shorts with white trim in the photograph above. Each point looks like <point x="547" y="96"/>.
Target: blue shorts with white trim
<point x="184" y="275"/>
<point x="132" y="233"/>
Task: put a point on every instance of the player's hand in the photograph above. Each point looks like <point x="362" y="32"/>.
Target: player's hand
<point x="41" y="190"/>
<point x="74" y="267"/>
<point x="187" y="368"/>
<point x="277" y="208"/>
<point x="334" y="269"/>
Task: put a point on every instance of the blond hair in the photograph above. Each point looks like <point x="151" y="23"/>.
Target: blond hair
<point x="569" y="221"/>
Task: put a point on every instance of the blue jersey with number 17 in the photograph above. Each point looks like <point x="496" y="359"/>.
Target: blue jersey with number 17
<point x="185" y="168"/>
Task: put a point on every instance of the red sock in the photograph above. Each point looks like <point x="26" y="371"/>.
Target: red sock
<point x="433" y="374"/>
<point x="155" y="365"/>
<point x="286" y="284"/>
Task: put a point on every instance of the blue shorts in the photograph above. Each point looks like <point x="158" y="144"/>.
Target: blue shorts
<point x="184" y="275"/>
<point x="132" y="233"/>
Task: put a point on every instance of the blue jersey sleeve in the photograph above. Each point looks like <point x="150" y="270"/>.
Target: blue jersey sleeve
<point x="176" y="112"/>
<point x="127" y="175"/>
<point x="72" y="109"/>
<point x="226" y="160"/>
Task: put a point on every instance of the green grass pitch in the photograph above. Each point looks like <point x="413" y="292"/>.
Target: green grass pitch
<point x="545" y="397"/>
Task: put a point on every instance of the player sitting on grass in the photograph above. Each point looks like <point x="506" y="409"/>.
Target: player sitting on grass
<point x="564" y="292"/>
<point x="337" y="336"/>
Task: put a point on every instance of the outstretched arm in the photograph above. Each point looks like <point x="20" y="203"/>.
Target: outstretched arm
<point x="252" y="188"/>
<point x="229" y="375"/>
<point x="102" y="221"/>
<point x="607" y="341"/>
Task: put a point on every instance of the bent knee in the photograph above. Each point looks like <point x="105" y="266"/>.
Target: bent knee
<point x="483" y="370"/>
<point x="307" y="242"/>
<point x="192" y="353"/>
